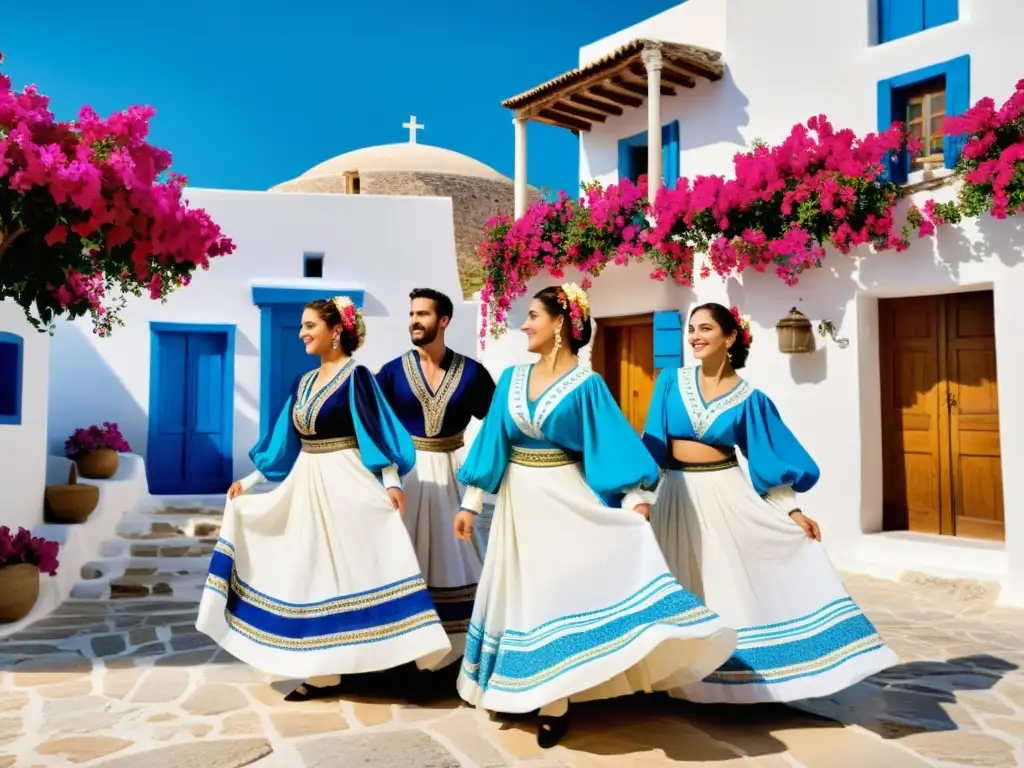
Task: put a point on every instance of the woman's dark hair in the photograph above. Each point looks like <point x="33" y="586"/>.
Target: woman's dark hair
<point x="548" y="297"/>
<point x="737" y="352"/>
<point x="328" y="311"/>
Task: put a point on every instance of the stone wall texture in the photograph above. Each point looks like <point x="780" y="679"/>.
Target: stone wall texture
<point x="474" y="201"/>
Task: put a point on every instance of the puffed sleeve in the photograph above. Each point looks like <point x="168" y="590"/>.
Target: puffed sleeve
<point x="385" y="382"/>
<point x="778" y="465"/>
<point x="384" y="444"/>
<point x="655" y="436"/>
<point x="488" y="457"/>
<point x="275" y="452"/>
<point x="616" y="464"/>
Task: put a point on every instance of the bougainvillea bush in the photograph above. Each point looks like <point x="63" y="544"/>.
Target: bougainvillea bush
<point x="22" y="547"/>
<point x="89" y="213"/>
<point x="783" y="207"/>
<point x="96" y="438"/>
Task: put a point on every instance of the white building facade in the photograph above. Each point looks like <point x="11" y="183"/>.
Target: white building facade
<point x="912" y="416"/>
<point x="191" y="381"/>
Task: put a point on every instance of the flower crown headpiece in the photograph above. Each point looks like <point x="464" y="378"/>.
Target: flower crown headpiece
<point x="745" y="337"/>
<point x="351" y="318"/>
<point x="574" y="300"/>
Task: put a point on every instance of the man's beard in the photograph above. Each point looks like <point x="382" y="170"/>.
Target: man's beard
<point x="429" y="334"/>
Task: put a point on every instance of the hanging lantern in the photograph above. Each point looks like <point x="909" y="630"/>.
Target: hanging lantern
<point x="795" y="334"/>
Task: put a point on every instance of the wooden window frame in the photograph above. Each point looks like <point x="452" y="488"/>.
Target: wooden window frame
<point x="923" y="96"/>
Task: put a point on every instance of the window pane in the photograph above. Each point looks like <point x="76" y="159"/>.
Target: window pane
<point x="937" y="126"/>
<point x="938" y="102"/>
<point x="915" y="130"/>
<point x="914" y="111"/>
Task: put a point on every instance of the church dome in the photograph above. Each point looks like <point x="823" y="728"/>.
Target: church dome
<point x="404" y="157"/>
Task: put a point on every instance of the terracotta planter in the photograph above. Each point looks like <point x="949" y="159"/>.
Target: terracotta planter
<point x="71" y="503"/>
<point x="19" y="590"/>
<point x="97" y="465"/>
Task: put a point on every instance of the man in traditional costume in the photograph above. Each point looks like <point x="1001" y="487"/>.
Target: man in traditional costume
<point x="434" y="391"/>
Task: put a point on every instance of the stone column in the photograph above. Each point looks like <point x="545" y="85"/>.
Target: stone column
<point x="520" y="163"/>
<point x="652" y="63"/>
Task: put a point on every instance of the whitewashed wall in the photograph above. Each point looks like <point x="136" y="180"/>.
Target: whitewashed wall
<point x="385" y="245"/>
<point x="791" y="60"/>
<point x="23" y="447"/>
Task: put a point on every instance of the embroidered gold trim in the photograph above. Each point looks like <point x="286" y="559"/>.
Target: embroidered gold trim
<point x="434" y="406"/>
<point x="448" y="595"/>
<point x="329" y="445"/>
<point x="375" y="634"/>
<point x="825" y="662"/>
<point x="305" y="412"/>
<point x="541" y="457"/>
<point x="439" y="444"/>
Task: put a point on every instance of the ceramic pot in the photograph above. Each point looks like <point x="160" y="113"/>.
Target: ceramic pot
<point x="19" y="590"/>
<point x="97" y="465"/>
<point x="71" y="503"/>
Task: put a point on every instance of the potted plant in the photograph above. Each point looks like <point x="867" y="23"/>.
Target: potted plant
<point x="95" y="450"/>
<point x="22" y="558"/>
<point x="72" y="502"/>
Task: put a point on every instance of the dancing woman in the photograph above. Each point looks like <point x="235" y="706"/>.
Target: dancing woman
<point x="745" y="546"/>
<point x="318" y="576"/>
<point x="575" y="600"/>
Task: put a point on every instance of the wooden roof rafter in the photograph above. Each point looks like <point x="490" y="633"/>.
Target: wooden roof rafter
<point x="590" y="94"/>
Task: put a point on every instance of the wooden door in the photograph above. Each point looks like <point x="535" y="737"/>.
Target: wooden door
<point x="976" y="469"/>
<point x="624" y="355"/>
<point x="940" y="423"/>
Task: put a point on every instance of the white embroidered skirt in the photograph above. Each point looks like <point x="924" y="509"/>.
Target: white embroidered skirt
<point x="801" y="635"/>
<point x="318" y="577"/>
<point x="576" y="601"/>
<point x="451" y="567"/>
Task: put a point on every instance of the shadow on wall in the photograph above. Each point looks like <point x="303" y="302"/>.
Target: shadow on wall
<point x="85" y="390"/>
<point x="730" y="114"/>
<point x="374" y="307"/>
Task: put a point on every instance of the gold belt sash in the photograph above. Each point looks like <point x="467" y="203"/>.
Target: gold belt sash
<point x="329" y="445"/>
<point x="439" y="444"/>
<point x="712" y="466"/>
<point x="541" y="457"/>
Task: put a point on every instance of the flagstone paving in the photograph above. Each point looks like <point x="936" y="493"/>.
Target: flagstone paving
<point x="129" y="683"/>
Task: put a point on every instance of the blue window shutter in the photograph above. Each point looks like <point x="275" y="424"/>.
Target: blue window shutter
<point x="670" y="153"/>
<point x="624" y="160"/>
<point x="938" y="12"/>
<point x="899" y="18"/>
<point x="896" y="166"/>
<point x="12" y="360"/>
<point x="958" y="101"/>
<point x="668" y="340"/>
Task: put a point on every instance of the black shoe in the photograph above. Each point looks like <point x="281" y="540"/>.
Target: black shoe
<point x="551" y="730"/>
<point x="307" y="692"/>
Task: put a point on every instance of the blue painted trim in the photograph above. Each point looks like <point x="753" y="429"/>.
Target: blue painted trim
<point x="669" y="154"/>
<point x="891" y="106"/>
<point x="668" y="339"/>
<point x="12" y="339"/>
<point x="902" y="18"/>
<point x="156" y="330"/>
<point x="263" y="296"/>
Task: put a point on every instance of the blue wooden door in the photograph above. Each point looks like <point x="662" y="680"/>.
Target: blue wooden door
<point x="288" y="358"/>
<point x="190" y="440"/>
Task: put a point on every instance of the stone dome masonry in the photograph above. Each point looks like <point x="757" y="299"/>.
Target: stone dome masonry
<point x="409" y="168"/>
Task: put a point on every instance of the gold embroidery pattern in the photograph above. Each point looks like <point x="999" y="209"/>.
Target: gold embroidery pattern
<point x="307" y="409"/>
<point x="827" y="661"/>
<point x="713" y="466"/>
<point x="444" y="595"/>
<point x="439" y="444"/>
<point x="329" y="445"/>
<point x="374" y="634"/>
<point x="703" y="416"/>
<point x="434" y="406"/>
<point x="541" y="457"/>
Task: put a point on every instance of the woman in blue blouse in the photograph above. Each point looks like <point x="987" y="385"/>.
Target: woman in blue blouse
<point x="575" y="600"/>
<point x="745" y="546"/>
<point x="318" y="576"/>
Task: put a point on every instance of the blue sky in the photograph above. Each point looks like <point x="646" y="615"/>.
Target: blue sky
<point x="249" y="94"/>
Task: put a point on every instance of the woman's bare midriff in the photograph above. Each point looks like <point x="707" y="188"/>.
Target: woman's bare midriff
<point x="692" y="452"/>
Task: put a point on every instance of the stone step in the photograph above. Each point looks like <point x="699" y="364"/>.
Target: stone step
<point x="189" y="511"/>
<point x="145" y="527"/>
<point x="121" y="566"/>
<point x="167" y="546"/>
<point x="160" y="584"/>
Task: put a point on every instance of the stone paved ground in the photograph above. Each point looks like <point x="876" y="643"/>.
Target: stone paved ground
<point x="129" y="684"/>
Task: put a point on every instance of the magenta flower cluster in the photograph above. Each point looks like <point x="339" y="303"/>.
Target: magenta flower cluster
<point x="96" y="438"/>
<point x="89" y="212"/>
<point x="22" y="547"/>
